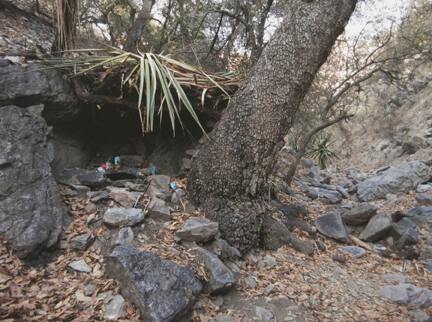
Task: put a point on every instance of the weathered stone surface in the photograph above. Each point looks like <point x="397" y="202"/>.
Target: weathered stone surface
<point x="221" y="279"/>
<point x="81" y="242"/>
<point x="75" y="176"/>
<point x="304" y="246"/>
<point x="161" y="182"/>
<point x="424" y="188"/>
<point x="158" y="209"/>
<point x="198" y="229"/>
<point x="421" y="215"/>
<point x="125" y="236"/>
<point x="275" y="234"/>
<point x="359" y="215"/>
<point x="378" y="228"/>
<point x="31" y="209"/>
<point x="70" y="150"/>
<point x="80" y="266"/>
<point x="331" y="225"/>
<point x="123" y="196"/>
<point x="419" y="316"/>
<point x="424" y="199"/>
<point x="224" y="318"/>
<point x="395" y="278"/>
<point x="161" y="289"/>
<point x="263" y="314"/>
<point x="408" y="294"/>
<point x="115" y="309"/>
<point x="122" y="217"/>
<point x="221" y="248"/>
<point x="357" y="252"/>
<point x="324" y="195"/>
<point x="25" y="85"/>
<point x="402" y="178"/>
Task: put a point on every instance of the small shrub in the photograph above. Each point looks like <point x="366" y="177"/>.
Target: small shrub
<point x="323" y="150"/>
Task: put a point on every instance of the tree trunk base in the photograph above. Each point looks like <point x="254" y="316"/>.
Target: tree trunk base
<point x="240" y="222"/>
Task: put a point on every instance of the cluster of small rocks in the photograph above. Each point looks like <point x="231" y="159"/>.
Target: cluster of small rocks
<point x="162" y="289"/>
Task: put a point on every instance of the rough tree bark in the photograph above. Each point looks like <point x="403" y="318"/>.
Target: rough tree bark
<point x="137" y="28"/>
<point x="240" y="155"/>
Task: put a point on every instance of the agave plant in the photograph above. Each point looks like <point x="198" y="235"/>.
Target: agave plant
<point x="322" y="150"/>
<point x="149" y="74"/>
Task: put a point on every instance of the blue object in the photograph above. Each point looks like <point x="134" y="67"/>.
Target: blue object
<point x="173" y="185"/>
<point x="153" y="170"/>
<point x="117" y="160"/>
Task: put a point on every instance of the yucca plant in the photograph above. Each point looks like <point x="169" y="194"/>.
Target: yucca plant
<point x="149" y="74"/>
<point x="322" y="150"/>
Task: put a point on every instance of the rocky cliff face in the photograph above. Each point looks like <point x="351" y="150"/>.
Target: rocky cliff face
<point x="31" y="209"/>
<point x="32" y="213"/>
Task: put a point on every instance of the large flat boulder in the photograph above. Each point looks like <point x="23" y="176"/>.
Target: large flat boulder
<point x="402" y="178"/>
<point x="161" y="289"/>
<point x="31" y="208"/>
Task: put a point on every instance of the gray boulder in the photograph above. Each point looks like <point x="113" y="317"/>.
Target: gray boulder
<point x="419" y="316"/>
<point x="123" y="196"/>
<point x="161" y="182"/>
<point x="125" y="236"/>
<point x="402" y="178"/>
<point x="263" y="314"/>
<point x="115" y="309"/>
<point x="359" y="215"/>
<point x="424" y="188"/>
<point x="408" y="294"/>
<point x="356" y="252"/>
<point x="324" y="195"/>
<point x="77" y="176"/>
<point x="221" y="278"/>
<point x="274" y="233"/>
<point x="331" y="225"/>
<point x="31" y="208"/>
<point x="81" y="242"/>
<point x="80" y="266"/>
<point x="158" y="209"/>
<point x="25" y="85"/>
<point x="424" y="199"/>
<point x="221" y="248"/>
<point x="421" y="215"/>
<point x="198" y="229"/>
<point x="378" y="228"/>
<point x="122" y="217"/>
<point x="161" y="289"/>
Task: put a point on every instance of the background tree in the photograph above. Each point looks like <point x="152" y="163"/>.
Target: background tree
<point x="336" y="90"/>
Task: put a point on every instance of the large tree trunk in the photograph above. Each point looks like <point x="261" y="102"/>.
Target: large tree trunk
<point x="240" y="155"/>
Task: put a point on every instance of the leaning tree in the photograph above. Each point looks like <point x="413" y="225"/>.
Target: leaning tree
<point x="230" y="174"/>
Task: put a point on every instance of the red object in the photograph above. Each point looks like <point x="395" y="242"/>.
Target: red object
<point x="103" y="166"/>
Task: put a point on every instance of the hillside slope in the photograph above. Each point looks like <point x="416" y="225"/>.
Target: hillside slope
<point x="393" y="126"/>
